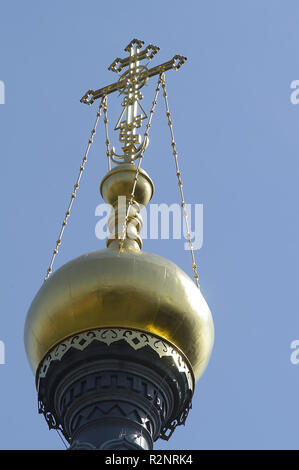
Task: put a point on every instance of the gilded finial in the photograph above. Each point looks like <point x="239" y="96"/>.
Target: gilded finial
<point x="133" y="143"/>
<point x="129" y="85"/>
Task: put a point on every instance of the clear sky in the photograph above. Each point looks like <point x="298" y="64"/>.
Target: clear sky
<point x="237" y="136"/>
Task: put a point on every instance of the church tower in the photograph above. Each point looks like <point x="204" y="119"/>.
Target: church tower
<point x="117" y="338"/>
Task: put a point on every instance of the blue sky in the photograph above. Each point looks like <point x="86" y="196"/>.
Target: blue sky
<point x="237" y="137"/>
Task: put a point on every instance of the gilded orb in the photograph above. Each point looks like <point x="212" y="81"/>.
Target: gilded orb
<point x="128" y="288"/>
<point x="122" y="286"/>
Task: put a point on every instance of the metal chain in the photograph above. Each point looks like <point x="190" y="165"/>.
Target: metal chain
<point x="146" y="133"/>
<point x="76" y="186"/>
<point x="61" y="438"/>
<point x="178" y="173"/>
<point x="107" y="141"/>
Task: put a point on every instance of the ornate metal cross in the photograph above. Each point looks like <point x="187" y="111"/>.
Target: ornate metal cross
<point x="129" y="85"/>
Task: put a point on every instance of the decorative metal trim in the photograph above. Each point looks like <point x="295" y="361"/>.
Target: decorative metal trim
<point x="136" y="339"/>
<point x="167" y="431"/>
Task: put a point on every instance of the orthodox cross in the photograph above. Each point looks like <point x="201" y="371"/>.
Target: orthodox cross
<point x="129" y="85"/>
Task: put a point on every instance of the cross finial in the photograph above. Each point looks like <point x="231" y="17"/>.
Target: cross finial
<point x="134" y="42"/>
<point x="129" y="85"/>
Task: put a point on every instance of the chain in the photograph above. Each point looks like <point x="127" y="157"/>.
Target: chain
<point x="61" y="438"/>
<point x="107" y="141"/>
<point x="76" y="186"/>
<point x="178" y="173"/>
<point x="146" y="133"/>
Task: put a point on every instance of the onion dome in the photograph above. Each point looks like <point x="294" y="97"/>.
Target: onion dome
<point x="121" y="288"/>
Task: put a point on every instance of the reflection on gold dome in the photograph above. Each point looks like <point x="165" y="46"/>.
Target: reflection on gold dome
<point x="130" y="289"/>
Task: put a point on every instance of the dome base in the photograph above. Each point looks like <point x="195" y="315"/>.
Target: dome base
<point x="114" y="389"/>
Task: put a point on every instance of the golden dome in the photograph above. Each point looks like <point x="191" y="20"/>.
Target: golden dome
<point x="129" y="288"/>
<point x="121" y="287"/>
